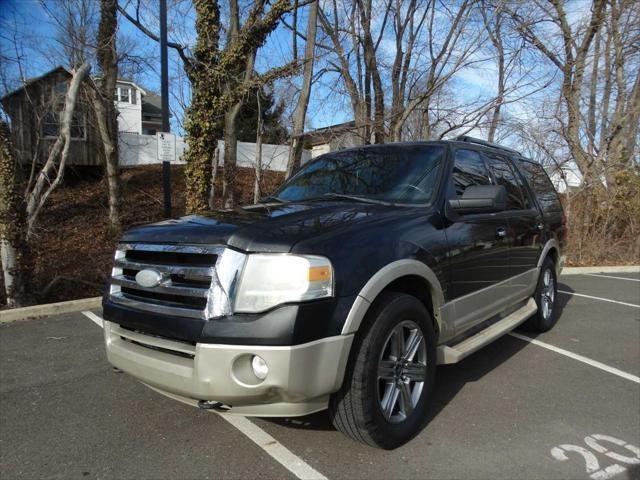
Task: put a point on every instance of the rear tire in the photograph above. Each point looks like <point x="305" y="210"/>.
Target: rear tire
<point x="384" y="397"/>
<point x="545" y="296"/>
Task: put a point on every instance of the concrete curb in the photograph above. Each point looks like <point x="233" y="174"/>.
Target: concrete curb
<point x="8" y="316"/>
<point x="608" y="269"/>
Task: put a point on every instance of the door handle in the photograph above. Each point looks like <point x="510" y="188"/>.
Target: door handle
<point x="501" y="233"/>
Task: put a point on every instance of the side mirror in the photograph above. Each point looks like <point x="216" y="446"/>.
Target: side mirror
<point x="481" y="199"/>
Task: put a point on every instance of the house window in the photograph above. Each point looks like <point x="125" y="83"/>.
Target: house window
<point x="78" y="126"/>
<point x="124" y="94"/>
<point x="51" y="126"/>
<point x="60" y="88"/>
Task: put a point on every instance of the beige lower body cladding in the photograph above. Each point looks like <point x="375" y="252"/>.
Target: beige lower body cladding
<point x="299" y="381"/>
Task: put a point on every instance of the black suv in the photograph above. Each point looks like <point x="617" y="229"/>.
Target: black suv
<point x="345" y="289"/>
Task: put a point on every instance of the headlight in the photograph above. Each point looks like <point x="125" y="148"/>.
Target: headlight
<point x="271" y="279"/>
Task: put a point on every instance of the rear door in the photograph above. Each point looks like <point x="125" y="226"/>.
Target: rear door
<point x="546" y="198"/>
<point x="524" y="219"/>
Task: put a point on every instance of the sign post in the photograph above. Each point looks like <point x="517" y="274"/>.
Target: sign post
<point x="164" y="93"/>
<point x="166" y="145"/>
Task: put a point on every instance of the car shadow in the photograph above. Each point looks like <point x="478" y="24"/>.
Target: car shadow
<point x="450" y="379"/>
<point x="562" y="299"/>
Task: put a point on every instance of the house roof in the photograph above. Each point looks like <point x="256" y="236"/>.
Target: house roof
<point x="322" y="135"/>
<point x="132" y="83"/>
<point x="31" y="81"/>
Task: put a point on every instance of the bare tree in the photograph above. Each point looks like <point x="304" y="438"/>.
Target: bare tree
<point x="300" y="113"/>
<point x="258" y="157"/>
<point x="571" y="61"/>
<point x="75" y="31"/>
<point x="237" y="73"/>
<point x="105" y="111"/>
<point x="372" y="73"/>
<point x="13" y="241"/>
<point x="20" y="205"/>
<point x="340" y="23"/>
<point x="495" y="32"/>
<point x="52" y="171"/>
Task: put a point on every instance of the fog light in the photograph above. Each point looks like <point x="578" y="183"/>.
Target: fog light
<point x="260" y="368"/>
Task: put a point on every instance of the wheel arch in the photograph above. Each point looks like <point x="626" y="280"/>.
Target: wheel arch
<point x="551" y="249"/>
<point x="408" y="276"/>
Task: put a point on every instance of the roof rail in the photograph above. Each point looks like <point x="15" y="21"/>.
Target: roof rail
<point x="465" y="138"/>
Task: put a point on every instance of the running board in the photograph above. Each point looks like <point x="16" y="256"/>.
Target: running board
<point x="455" y="353"/>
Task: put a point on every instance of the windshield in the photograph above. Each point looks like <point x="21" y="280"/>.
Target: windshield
<point x="396" y="174"/>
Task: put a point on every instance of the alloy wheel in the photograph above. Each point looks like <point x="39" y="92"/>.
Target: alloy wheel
<point x="548" y="294"/>
<point x="402" y="371"/>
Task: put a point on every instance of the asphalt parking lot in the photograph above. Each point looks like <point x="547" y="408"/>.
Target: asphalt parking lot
<point x="565" y="405"/>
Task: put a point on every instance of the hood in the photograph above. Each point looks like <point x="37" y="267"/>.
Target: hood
<point x="264" y="227"/>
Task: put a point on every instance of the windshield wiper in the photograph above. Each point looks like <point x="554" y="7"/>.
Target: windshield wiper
<point x="272" y="198"/>
<point x="356" y="198"/>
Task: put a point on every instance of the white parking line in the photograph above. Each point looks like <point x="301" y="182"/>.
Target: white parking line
<point x="611" y="276"/>
<point x="577" y="357"/>
<point x="275" y="449"/>
<point x="599" y="298"/>
<point x="93" y="317"/>
<point x="266" y="442"/>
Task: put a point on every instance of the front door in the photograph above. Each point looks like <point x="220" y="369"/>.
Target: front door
<point x="478" y="248"/>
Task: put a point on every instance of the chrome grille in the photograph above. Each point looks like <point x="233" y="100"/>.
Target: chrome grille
<point x="187" y="270"/>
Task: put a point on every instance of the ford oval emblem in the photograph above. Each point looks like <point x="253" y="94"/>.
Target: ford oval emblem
<point x="149" y="278"/>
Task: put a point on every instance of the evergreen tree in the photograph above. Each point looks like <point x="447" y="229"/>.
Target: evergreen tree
<point x="274" y="131"/>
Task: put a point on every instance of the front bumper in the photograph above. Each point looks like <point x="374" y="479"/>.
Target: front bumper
<point x="299" y="382"/>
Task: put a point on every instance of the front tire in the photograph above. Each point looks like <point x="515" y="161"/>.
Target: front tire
<point x="390" y="375"/>
<point x="545" y="296"/>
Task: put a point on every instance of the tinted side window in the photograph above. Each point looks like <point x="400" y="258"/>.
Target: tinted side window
<point x="541" y="184"/>
<point x="505" y="175"/>
<point x="469" y="169"/>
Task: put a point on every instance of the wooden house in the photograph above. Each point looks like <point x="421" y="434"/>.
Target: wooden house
<point x="34" y="111"/>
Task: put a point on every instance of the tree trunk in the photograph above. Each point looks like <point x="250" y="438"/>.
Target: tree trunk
<point x="258" y="159"/>
<point x="202" y="125"/>
<point x="426" y="123"/>
<point x="13" y="232"/>
<point x="495" y="116"/>
<point x="215" y="161"/>
<point x="372" y="70"/>
<point x="230" y="155"/>
<point x="300" y="114"/>
<point x="106" y="112"/>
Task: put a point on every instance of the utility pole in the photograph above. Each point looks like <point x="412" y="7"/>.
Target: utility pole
<point x="164" y="93"/>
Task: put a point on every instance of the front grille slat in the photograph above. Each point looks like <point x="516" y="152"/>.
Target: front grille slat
<point x="187" y="272"/>
<point x="187" y="291"/>
<point x="170" y="269"/>
<point x="156" y="307"/>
